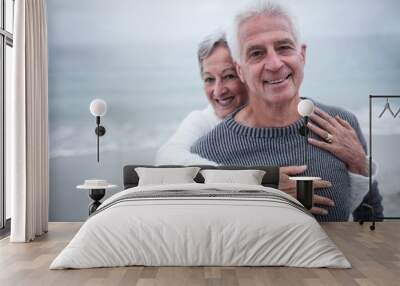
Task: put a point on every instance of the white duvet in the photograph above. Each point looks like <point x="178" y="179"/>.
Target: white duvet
<point x="185" y="231"/>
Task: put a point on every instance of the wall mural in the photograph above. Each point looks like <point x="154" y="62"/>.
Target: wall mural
<point x="140" y="57"/>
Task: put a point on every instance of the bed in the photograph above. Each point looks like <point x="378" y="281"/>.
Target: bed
<point x="201" y="224"/>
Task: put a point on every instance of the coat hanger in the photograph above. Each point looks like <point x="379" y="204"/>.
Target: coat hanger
<point x="397" y="113"/>
<point x="387" y="107"/>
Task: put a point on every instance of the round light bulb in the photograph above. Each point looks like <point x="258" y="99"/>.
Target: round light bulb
<point x="305" y="107"/>
<point x="98" y="107"/>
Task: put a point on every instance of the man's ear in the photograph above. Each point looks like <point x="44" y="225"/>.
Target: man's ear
<point x="303" y="52"/>
<point x="239" y="72"/>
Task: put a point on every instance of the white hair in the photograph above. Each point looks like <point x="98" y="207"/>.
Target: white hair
<point x="269" y="8"/>
<point x="208" y="45"/>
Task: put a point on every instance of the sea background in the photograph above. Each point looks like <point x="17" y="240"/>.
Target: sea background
<point x="140" y="57"/>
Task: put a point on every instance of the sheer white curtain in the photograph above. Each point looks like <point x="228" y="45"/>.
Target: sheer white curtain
<point x="28" y="123"/>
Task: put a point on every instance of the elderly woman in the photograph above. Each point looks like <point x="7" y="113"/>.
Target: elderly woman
<point x="225" y="93"/>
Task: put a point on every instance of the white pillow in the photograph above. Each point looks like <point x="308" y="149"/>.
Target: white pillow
<point x="248" y="177"/>
<point x="165" y="176"/>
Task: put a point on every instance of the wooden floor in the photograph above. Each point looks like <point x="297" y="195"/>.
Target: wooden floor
<point x="374" y="255"/>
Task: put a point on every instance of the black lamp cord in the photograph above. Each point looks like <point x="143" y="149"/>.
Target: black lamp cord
<point x="98" y="137"/>
<point x="305" y="141"/>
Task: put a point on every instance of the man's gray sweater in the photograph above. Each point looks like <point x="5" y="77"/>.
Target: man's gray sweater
<point x="231" y="143"/>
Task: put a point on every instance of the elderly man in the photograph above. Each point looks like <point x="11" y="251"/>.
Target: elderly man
<point x="270" y="61"/>
<point x="225" y="93"/>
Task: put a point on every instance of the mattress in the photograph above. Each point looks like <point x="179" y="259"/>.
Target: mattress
<point x="201" y="225"/>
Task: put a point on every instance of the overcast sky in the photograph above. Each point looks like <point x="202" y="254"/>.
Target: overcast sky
<point x="97" y="21"/>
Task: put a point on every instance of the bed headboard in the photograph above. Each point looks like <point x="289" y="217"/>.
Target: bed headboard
<point x="271" y="177"/>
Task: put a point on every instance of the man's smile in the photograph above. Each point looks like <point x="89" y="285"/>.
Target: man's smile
<point x="277" y="81"/>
